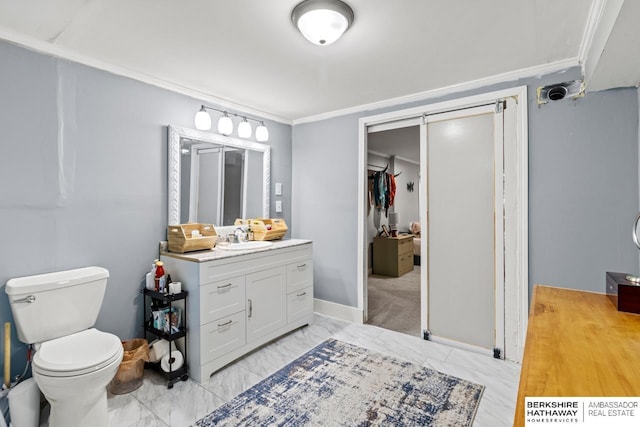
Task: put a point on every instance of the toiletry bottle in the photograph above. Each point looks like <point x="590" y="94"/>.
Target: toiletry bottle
<point x="159" y="278"/>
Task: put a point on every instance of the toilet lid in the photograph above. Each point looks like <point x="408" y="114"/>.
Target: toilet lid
<point x="77" y="354"/>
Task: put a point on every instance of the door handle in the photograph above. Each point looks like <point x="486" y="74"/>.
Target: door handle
<point x="228" y="285"/>
<point x="250" y="308"/>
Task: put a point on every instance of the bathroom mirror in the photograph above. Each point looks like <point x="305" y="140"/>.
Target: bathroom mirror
<point x="215" y="179"/>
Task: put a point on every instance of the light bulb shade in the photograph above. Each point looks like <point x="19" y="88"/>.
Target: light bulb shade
<point x="225" y="125"/>
<point x="394" y="218"/>
<point x="203" y="120"/>
<point x="262" y="133"/>
<point x="322" y="22"/>
<point x="244" y="129"/>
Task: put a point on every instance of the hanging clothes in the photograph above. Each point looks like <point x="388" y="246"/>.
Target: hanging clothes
<point x="370" y="196"/>
<point x="387" y="186"/>
<point x="392" y="189"/>
<point x="381" y="191"/>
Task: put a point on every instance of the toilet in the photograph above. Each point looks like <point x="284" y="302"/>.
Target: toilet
<point x="73" y="362"/>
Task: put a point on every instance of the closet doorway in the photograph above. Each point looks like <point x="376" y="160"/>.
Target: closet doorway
<point x="473" y="216"/>
<point x="393" y="280"/>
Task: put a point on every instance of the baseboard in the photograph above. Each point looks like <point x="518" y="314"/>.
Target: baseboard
<point x="338" y="311"/>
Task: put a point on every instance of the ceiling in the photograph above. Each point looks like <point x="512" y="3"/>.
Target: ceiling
<point x="247" y="54"/>
<point x="401" y="142"/>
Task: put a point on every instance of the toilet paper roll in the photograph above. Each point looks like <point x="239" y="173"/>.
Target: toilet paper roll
<point x="175" y="287"/>
<point x="158" y="349"/>
<point x="176" y="361"/>
<point x="24" y="404"/>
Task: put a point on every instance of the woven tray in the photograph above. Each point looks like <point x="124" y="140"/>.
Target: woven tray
<point x="268" y="229"/>
<point x="181" y="239"/>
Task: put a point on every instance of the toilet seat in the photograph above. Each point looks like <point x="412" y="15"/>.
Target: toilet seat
<point x="77" y="354"/>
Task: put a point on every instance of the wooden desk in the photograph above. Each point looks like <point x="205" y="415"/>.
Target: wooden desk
<point x="579" y="345"/>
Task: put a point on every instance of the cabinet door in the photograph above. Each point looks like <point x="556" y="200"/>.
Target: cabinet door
<point x="266" y="302"/>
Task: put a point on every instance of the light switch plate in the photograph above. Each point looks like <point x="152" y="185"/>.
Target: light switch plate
<point x="278" y="189"/>
<point x="278" y="206"/>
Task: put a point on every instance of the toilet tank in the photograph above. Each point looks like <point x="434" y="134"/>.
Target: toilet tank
<point x="52" y="305"/>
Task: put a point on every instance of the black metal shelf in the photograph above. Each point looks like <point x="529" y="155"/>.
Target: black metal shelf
<point x="165" y="297"/>
<point x="167" y="300"/>
<point x="165" y="335"/>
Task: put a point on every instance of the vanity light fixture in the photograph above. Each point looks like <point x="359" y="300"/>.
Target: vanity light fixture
<point x="322" y="22"/>
<point x="262" y="133"/>
<point x="203" y="119"/>
<point x="244" y="129"/>
<point x="225" y="124"/>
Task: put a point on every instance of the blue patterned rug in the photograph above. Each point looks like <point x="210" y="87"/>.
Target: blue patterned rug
<point x="338" y="384"/>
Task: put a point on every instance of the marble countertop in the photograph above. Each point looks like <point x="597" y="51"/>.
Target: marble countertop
<point x="217" y="253"/>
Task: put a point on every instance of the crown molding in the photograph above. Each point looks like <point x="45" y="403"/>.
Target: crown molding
<point x="537" y="70"/>
<point x="600" y="23"/>
<point x="51" y="49"/>
<point x="595" y="12"/>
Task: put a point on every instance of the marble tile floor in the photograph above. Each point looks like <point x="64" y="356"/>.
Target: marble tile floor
<point x="155" y="405"/>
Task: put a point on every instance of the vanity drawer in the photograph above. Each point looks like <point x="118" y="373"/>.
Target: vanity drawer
<point x="222" y="298"/>
<point x="222" y="336"/>
<point x="299" y="303"/>
<point x="299" y="275"/>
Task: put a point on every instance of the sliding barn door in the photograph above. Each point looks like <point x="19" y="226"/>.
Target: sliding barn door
<point x="464" y="238"/>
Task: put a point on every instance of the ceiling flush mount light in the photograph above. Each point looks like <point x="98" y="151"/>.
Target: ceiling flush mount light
<point x="225" y="124"/>
<point x="322" y="22"/>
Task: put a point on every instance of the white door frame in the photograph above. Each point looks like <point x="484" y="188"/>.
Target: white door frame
<point x="517" y="264"/>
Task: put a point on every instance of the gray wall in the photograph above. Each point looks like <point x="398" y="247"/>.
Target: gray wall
<point x="83" y="177"/>
<point x="583" y="189"/>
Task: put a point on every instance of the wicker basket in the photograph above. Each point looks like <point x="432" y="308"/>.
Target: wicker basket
<point x="268" y="229"/>
<point x="181" y="238"/>
<point x="131" y="369"/>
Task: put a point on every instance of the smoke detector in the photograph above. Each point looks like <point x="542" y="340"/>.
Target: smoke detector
<point x="559" y="91"/>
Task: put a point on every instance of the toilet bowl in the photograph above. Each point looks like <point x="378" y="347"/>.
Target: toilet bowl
<point x="73" y="362"/>
<point x="73" y="372"/>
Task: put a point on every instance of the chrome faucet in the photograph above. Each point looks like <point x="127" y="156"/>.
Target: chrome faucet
<point x="240" y="235"/>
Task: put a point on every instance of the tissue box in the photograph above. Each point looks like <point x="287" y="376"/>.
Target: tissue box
<point x="624" y="295"/>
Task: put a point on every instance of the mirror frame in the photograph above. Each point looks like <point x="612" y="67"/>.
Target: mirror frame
<point x="175" y="133"/>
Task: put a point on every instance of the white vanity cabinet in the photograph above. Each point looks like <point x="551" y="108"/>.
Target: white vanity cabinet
<point x="240" y="301"/>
